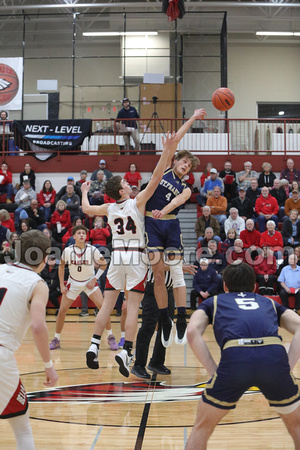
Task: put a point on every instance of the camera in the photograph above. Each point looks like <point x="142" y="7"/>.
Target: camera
<point x="154" y="100"/>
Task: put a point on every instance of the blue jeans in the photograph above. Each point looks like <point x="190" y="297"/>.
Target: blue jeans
<point x="7" y="189"/>
<point x="47" y="212"/>
<point x="261" y="220"/>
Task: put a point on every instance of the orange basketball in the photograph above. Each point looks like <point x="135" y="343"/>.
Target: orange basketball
<point x="223" y="99"/>
<point x="9" y="84"/>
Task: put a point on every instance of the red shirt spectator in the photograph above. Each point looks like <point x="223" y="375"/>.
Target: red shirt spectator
<point x="62" y="216"/>
<point x="190" y="180"/>
<point x="99" y="234"/>
<point x="6" y="174"/>
<point x="250" y="236"/>
<point x="206" y="173"/>
<point x="47" y="194"/>
<point x="133" y="177"/>
<point x="6" y="221"/>
<point x="266" y="205"/>
<point x="271" y="237"/>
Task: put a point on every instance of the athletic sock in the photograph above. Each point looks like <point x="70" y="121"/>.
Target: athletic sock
<point x="164" y="312"/>
<point x="128" y="347"/>
<point x="57" y="335"/>
<point x="181" y="310"/>
<point x="122" y="334"/>
<point x="109" y="332"/>
<point x="96" y="339"/>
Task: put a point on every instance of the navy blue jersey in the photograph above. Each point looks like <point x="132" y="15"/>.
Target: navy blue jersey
<point x="239" y="315"/>
<point x="169" y="187"/>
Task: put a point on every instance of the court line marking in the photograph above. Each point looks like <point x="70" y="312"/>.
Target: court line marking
<point x="96" y="438"/>
<point x="144" y="419"/>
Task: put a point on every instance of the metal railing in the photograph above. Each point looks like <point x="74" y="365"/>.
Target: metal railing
<point x="210" y="136"/>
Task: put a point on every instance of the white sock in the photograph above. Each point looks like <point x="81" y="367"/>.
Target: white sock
<point x="109" y="332"/>
<point x="122" y="334"/>
<point x="57" y="335"/>
<point x="22" y="431"/>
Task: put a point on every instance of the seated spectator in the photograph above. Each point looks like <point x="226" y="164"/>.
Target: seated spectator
<point x="89" y="221"/>
<point x="134" y="192"/>
<point x="265" y="269"/>
<point x="290" y="173"/>
<point x="292" y="203"/>
<point x="216" y="260"/>
<point x="279" y="193"/>
<point x="291" y="229"/>
<point x="285" y="262"/>
<point x="7" y="254"/>
<point x="47" y="199"/>
<point x="102" y="166"/>
<point x="97" y="189"/>
<point x="205" y="283"/>
<point x="204" y="221"/>
<point x="243" y="204"/>
<point x="266" y="208"/>
<point x="234" y="221"/>
<point x="229" y="179"/>
<point x="212" y="181"/>
<point x="253" y="193"/>
<point x="6" y="221"/>
<point x="63" y="190"/>
<point x="24" y="226"/>
<point x="50" y="275"/>
<point x="271" y="237"/>
<point x="237" y="253"/>
<point x="83" y="177"/>
<point x="289" y="280"/>
<point x="6" y="186"/>
<point x="218" y="205"/>
<point x="295" y="187"/>
<point x="36" y="216"/>
<point x="250" y="236"/>
<point x="189" y="180"/>
<point x="72" y="201"/>
<point x="206" y="173"/>
<point x="68" y="239"/>
<point x="267" y="177"/>
<point x="133" y="177"/>
<point x="53" y="243"/>
<point x="247" y="175"/>
<point x="22" y="199"/>
<point x="60" y="221"/>
<point x="4" y="234"/>
<point x="208" y="236"/>
<point x="100" y="233"/>
<point x="28" y="174"/>
<point x="285" y="185"/>
<point x="231" y="236"/>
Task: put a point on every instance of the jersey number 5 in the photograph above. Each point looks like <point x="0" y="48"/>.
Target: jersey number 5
<point x="247" y="303"/>
<point x="130" y="225"/>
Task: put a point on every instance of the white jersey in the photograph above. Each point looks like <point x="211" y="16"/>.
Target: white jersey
<point x="81" y="261"/>
<point x="127" y="224"/>
<point x="17" y="282"/>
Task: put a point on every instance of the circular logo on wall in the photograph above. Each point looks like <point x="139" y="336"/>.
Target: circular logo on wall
<point x="9" y="84"/>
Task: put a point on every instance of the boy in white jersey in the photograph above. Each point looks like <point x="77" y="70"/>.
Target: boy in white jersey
<point x="23" y="299"/>
<point x="128" y="266"/>
<point x="81" y="259"/>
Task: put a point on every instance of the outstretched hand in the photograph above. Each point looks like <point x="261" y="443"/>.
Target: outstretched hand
<point x="170" y="140"/>
<point x="86" y="186"/>
<point x="200" y="114"/>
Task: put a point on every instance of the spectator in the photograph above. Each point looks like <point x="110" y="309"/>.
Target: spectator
<point x="289" y="279"/>
<point x="292" y="203"/>
<point x="63" y="190"/>
<point x="28" y="174"/>
<point x="133" y="177"/>
<point x="285" y="262"/>
<point x="267" y="177"/>
<point x="6" y="221"/>
<point x="231" y="236"/>
<point x="7" y="255"/>
<point x="5" y="131"/>
<point x="203" y="244"/>
<point x="97" y="189"/>
<point x="237" y="253"/>
<point x="271" y="237"/>
<point x="189" y="180"/>
<point x="47" y="198"/>
<point x="205" y="283"/>
<point x="100" y="233"/>
<point x="4" y="234"/>
<point x="234" y="221"/>
<point x="22" y="199"/>
<point x="204" y="221"/>
<point x="128" y="114"/>
<point x="295" y="187"/>
<point x="6" y="186"/>
<point x="102" y="166"/>
<point x="60" y="221"/>
<point x="265" y="269"/>
<point x="68" y="239"/>
<point x="24" y="226"/>
<point x="72" y="201"/>
<point x="291" y="229"/>
<point x="206" y="173"/>
<point x="216" y="260"/>
<point x="83" y="177"/>
<point x="289" y="173"/>
<point x="253" y="193"/>
<point x="279" y="193"/>
<point x="229" y="179"/>
<point x="243" y="204"/>
<point x="285" y="185"/>
<point x="266" y="208"/>
<point x="50" y="275"/>
<point x="212" y="181"/>
<point x="218" y="205"/>
<point x="250" y="236"/>
<point x="36" y="216"/>
<point x="247" y="175"/>
<point x="134" y="192"/>
<point x="53" y="243"/>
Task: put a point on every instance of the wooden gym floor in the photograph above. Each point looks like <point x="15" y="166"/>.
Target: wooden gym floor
<point x="103" y="410"/>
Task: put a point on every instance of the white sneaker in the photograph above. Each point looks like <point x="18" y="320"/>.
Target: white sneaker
<point x="124" y="361"/>
<point x="92" y="357"/>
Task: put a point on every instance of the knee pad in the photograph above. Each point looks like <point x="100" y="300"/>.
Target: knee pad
<point x="177" y="274"/>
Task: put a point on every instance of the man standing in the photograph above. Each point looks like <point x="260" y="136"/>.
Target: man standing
<point x="128" y="114"/>
<point x="252" y="354"/>
<point x="229" y="179"/>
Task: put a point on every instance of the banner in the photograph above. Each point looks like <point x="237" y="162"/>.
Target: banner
<point x="11" y="82"/>
<point x="42" y="136"/>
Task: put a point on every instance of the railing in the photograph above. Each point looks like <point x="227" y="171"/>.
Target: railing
<point x="210" y="136"/>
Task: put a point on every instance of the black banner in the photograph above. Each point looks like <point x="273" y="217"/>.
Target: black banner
<point x="44" y="135"/>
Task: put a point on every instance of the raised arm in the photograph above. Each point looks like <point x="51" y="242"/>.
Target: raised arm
<point x="175" y="203"/>
<point x="86" y="207"/>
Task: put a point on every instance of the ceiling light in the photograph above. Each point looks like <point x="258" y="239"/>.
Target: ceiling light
<point x="274" y="33"/>
<point x="120" y="33"/>
<point x="281" y="113"/>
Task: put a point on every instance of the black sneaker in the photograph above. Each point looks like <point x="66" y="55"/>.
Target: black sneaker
<point x="159" y="368"/>
<point x="140" y="372"/>
<point x="181" y="331"/>
<point x="166" y="333"/>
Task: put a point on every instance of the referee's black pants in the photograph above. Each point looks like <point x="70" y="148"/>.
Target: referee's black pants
<point x="150" y="317"/>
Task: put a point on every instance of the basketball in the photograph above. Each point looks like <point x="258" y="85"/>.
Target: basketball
<point x="9" y="84"/>
<point x="223" y="99"/>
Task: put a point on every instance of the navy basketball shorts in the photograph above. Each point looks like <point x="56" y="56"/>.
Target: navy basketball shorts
<point x="163" y="235"/>
<point x="240" y="368"/>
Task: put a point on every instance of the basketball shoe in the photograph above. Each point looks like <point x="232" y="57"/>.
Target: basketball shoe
<point x="111" y="340"/>
<point x="181" y="331"/>
<point x="166" y="333"/>
<point x="54" y="344"/>
<point x="124" y="361"/>
<point x="92" y="357"/>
